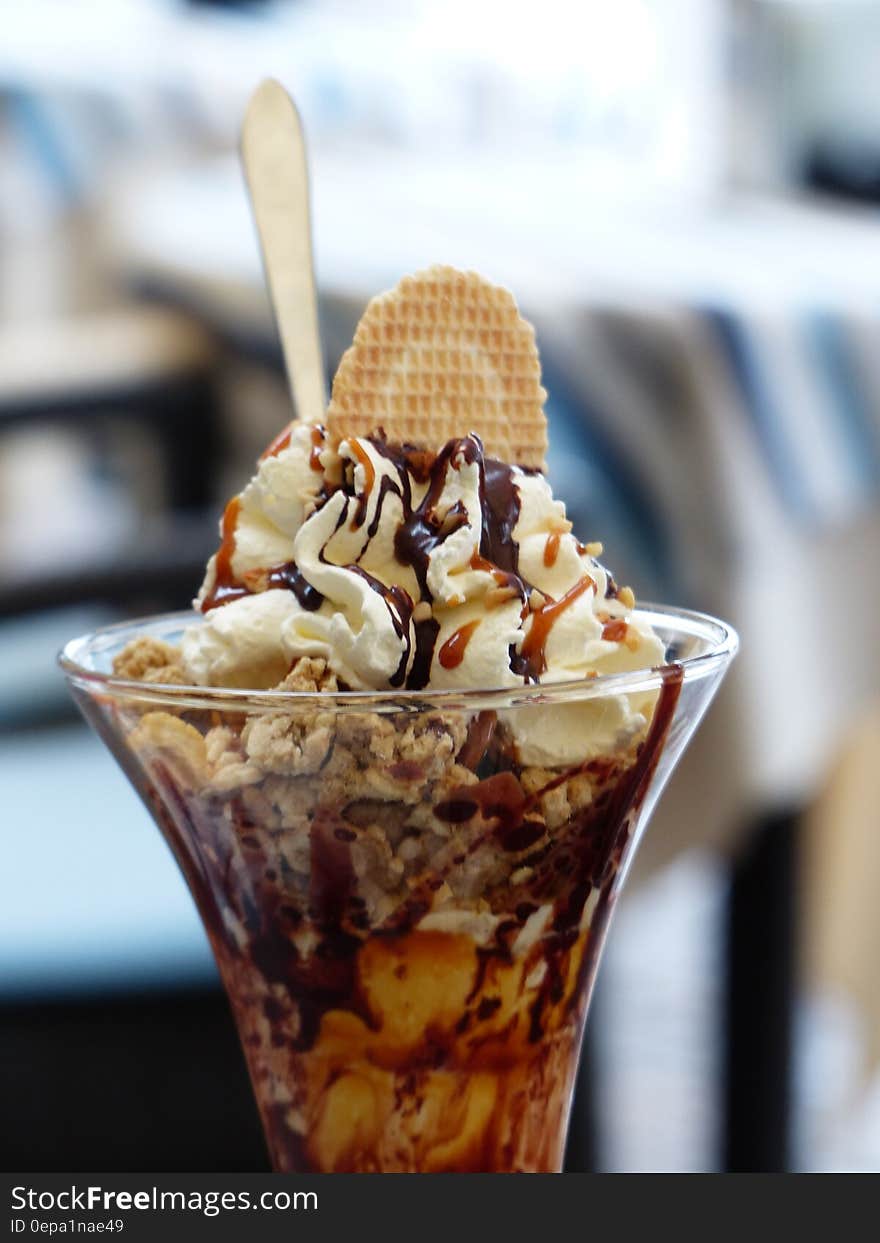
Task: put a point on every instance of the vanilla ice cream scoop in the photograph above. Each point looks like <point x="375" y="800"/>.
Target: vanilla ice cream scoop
<point x="410" y="569"/>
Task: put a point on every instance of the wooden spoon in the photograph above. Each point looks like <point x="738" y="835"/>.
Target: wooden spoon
<point x="274" y="157"/>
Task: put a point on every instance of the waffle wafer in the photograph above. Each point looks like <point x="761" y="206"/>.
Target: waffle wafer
<point x="443" y="354"/>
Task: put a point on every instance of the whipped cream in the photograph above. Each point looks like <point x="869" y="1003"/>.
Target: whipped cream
<point x="405" y="570"/>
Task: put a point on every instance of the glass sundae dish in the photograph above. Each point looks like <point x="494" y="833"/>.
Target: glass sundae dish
<point x="403" y="750"/>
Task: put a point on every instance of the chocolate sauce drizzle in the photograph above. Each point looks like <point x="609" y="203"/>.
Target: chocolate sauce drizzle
<point x="426" y="633"/>
<point x="420" y="532"/>
<point x="400" y="606"/>
<point x="499" y="500"/>
<point x="289" y="577"/>
<point x="422" y="528"/>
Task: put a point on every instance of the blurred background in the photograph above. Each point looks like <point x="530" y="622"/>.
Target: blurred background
<point x="685" y="196"/>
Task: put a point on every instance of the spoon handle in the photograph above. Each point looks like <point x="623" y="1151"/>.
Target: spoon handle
<point x="274" y="157"/>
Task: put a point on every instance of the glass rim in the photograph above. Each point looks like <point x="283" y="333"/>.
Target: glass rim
<point x="722" y="639"/>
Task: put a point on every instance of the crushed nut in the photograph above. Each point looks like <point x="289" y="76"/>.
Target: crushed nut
<point x="626" y="597"/>
<point x="259" y="777"/>
<point x="143" y="658"/>
<point x="309" y="673"/>
<point x="232" y="776"/>
<point x="181" y="745"/>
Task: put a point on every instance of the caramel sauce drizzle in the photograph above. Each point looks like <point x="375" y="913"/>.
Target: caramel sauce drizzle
<point x="551" y="549"/>
<point x="504" y="578"/>
<point x="452" y="652"/>
<point x="369" y="479"/>
<point x="533" y="652"/>
<point x="278" y="445"/>
<point x="225" y="586"/>
<point x="480" y="563"/>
